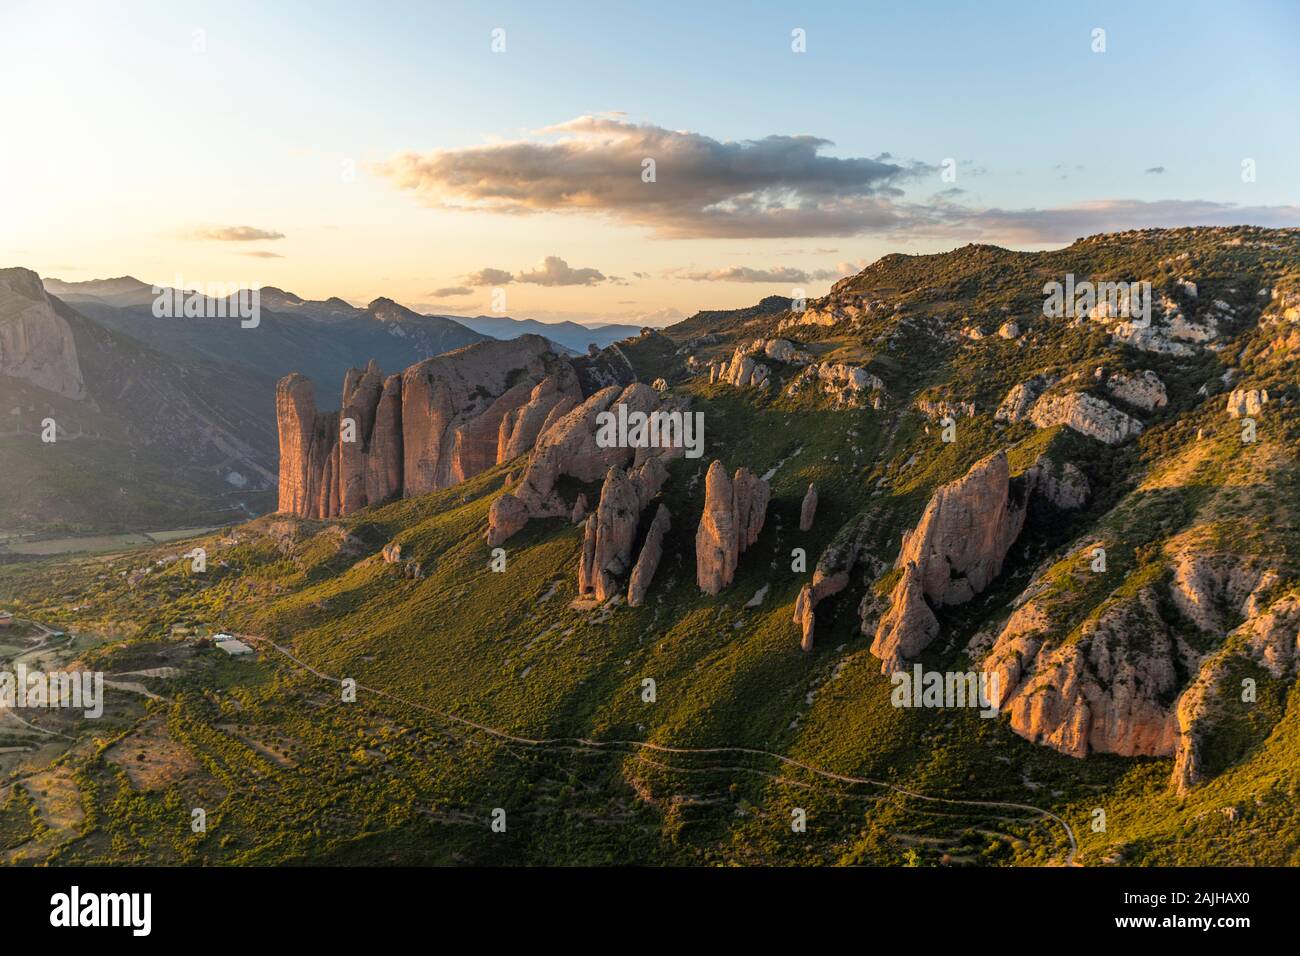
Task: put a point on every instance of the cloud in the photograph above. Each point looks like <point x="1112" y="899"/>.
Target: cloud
<point x="262" y="254"/>
<point x="234" y="234"/>
<point x="450" y="292"/>
<point x="1157" y="170"/>
<point x="553" y="270"/>
<point x="775" y="274"/>
<point x="1066" y="223"/>
<point x="489" y="277"/>
<point x="765" y="188"/>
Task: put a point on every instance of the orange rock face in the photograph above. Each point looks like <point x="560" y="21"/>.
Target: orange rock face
<point x="734" y="511"/>
<point x="951" y="555"/>
<point x="435" y="425"/>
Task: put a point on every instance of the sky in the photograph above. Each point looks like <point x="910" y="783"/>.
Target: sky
<point x="442" y="154"/>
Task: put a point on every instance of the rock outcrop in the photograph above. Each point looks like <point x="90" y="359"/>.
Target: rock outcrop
<point x="435" y="425"/>
<point x="453" y="406"/>
<point x="1106" y="690"/>
<point x="1144" y="391"/>
<point x="567" y="446"/>
<point x="734" y="511"/>
<point x="557" y="393"/>
<point x="648" y="561"/>
<point x="830" y="576"/>
<point x="951" y="555"/>
<point x="1060" y="483"/>
<point x="1269" y="638"/>
<point x="1085" y="414"/>
<point x="1020" y="399"/>
<point x="848" y="386"/>
<point x="808" y="510"/>
<point x="36" y="343"/>
<point x="610" y="530"/>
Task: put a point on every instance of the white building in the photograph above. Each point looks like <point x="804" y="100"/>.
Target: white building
<point x="233" y="646"/>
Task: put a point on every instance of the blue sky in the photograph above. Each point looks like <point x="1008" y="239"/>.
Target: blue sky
<point x="140" y="141"/>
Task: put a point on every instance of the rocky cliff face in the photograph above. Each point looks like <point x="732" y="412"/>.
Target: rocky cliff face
<point x="734" y="511"/>
<point x="1107" y="690"/>
<point x="1087" y="415"/>
<point x="951" y="555"/>
<point x="438" y="423"/>
<point x="36" y="344"/>
<point x="648" y="561"/>
<point x="566" y="445"/>
<point x="610" y="531"/>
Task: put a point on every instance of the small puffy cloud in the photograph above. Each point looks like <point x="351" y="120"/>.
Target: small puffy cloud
<point x="763" y="188"/>
<point x="450" y="292"/>
<point x="1156" y="170"/>
<point x="234" y="234"/>
<point x="551" y="271"/>
<point x="555" y="271"/>
<point x="489" y="277"/>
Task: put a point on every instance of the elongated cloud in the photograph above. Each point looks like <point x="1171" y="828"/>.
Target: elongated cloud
<point x="779" y="274"/>
<point x="234" y="234"/>
<point x="701" y="187"/>
<point x="1065" y="223"/>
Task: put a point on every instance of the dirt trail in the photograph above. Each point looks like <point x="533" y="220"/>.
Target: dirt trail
<point x="635" y="745"/>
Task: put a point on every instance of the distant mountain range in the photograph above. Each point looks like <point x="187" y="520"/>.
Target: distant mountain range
<point x="164" y="421"/>
<point x="128" y="292"/>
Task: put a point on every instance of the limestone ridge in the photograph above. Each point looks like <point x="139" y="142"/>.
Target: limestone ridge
<point x="951" y="555"/>
<point x="440" y="422"/>
<point x="734" y="511"/>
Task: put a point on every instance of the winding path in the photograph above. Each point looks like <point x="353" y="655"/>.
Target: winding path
<point x="667" y="749"/>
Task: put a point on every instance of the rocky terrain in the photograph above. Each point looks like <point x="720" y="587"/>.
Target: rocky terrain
<point x="929" y="472"/>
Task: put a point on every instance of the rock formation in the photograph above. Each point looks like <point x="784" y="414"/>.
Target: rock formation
<point x="831" y="576"/>
<point x="951" y="555"/>
<point x="567" y="446"/>
<point x="453" y="406"/>
<point x="1107" y="690"/>
<point x="908" y="626"/>
<point x="438" y="423"/>
<point x="520" y="427"/>
<point x="734" y="511"/>
<point x="1271" y="639"/>
<point x="610" y="530"/>
<point x="36" y="343"/>
<point x="1086" y="414"/>
<point x="1060" y="483"/>
<point x="648" y="561"/>
<point x="1020" y="399"/>
<point x="1144" y="391"/>
<point x="848" y="386"/>
<point x="808" y="510"/>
